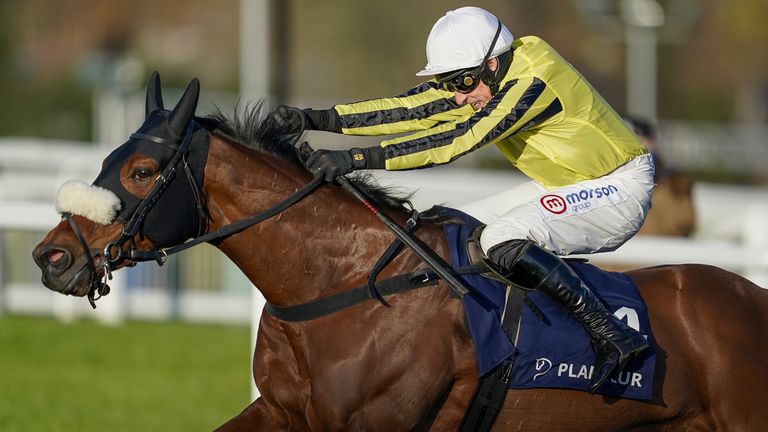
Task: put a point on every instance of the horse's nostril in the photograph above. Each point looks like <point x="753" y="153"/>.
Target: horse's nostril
<point x="54" y="256"/>
<point x="52" y="260"/>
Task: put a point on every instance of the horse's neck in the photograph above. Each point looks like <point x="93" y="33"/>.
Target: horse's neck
<point x="325" y="242"/>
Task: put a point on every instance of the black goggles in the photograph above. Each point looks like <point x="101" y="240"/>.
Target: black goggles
<point x="466" y="80"/>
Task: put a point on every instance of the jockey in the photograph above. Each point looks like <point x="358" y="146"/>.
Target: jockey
<point x="591" y="176"/>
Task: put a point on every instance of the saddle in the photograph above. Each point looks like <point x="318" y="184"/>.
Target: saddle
<point x="528" y="340"/>
<point x="478" y="258"/>
<point x="515" y="295"/>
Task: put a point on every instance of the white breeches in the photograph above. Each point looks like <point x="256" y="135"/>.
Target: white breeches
<point x="591" y="216"/>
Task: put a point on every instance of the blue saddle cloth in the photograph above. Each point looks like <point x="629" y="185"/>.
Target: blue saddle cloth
<point x="555" y="351"/>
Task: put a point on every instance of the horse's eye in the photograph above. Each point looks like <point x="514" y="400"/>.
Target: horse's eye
<point x="142" y="174"/>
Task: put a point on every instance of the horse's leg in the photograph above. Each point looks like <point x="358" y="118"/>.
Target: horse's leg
<point x="255" y="417"/>
<point x="275" y="372"/>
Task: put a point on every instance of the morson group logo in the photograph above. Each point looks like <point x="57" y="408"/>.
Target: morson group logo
<point x="554" y="203"/>
<point x="586" y="194"/>
<point x="581" y="200"/>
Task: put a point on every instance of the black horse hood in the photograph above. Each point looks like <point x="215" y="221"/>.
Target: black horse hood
<point x="176" y="217"/>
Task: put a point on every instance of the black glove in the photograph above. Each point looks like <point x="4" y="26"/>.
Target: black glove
<point x="330" y="164"/>
<point x="289" y="120"/>
<point x="333" y="163"/>
<point x="292" y="120"/>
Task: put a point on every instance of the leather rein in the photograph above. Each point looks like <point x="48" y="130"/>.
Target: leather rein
<point x="113" y="253"/>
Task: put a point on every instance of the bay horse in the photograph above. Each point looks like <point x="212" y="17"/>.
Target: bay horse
<point x="673" y="212"/>
<point x="369" y="367"/>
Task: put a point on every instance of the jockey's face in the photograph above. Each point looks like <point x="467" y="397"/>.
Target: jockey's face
<point x="480" y="95"/>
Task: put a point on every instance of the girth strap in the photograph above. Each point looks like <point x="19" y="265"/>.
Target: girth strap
<point x="327" y="305"/>
<point x="488" y="399"/>
<point x="491" y="390"/>
<point x="334" y="303"/>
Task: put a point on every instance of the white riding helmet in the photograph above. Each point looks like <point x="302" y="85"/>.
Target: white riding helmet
<point x="461" y="39"/>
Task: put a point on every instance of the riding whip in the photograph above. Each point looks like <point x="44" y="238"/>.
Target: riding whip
<point x="427" y="255"/>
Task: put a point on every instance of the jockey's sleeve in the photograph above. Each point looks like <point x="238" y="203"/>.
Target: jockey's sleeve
<point x="420" y="108"/>
<point x="518" y="105"/>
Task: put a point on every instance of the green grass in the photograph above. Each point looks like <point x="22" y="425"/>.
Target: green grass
<point x="139" y="376"/>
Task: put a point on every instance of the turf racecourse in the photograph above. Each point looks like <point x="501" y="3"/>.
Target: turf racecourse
<point x="138" y="376"/>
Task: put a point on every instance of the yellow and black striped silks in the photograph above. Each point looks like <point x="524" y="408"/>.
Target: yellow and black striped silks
<point x="420" y="108"/>
<point x="545" y="118"/>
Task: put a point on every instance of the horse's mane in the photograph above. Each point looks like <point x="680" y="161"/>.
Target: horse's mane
<point x="251" y="127"/>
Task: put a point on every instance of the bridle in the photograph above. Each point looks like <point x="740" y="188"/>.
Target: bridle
<point x="110" y="261"/>
<point x="113" y="253"/>
<point x="131" y="226"/>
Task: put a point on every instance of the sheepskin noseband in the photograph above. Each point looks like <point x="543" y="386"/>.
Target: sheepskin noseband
<point x="91" y="202"/>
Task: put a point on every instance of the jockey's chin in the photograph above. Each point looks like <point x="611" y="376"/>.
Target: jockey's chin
<point x="478" y="105"/>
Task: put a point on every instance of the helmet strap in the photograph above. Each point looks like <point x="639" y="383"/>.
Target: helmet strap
<point x="492" y="78"/>
<point x="482" y="71"/>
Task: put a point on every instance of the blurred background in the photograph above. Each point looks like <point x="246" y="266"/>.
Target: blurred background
<point x="692" y="74"/>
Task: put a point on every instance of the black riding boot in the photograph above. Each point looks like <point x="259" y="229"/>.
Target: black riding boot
<point x="526" y="264"/>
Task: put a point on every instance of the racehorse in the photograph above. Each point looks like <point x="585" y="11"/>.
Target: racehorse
<point x="673" y="212"/>
<point x="409" y="366"/>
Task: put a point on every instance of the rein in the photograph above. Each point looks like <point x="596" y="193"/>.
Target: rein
<point x="233" y="228"/>
<point x="113" y="252"/>
<point x="131" y="227"/>
<point x="161" y="255"/>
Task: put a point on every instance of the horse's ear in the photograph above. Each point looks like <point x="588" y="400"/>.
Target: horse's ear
<point x="185" y="109"/>
<point x="154" y="95"/>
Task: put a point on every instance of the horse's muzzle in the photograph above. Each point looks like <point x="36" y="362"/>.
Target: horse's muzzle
<point x="59" y="272"/>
